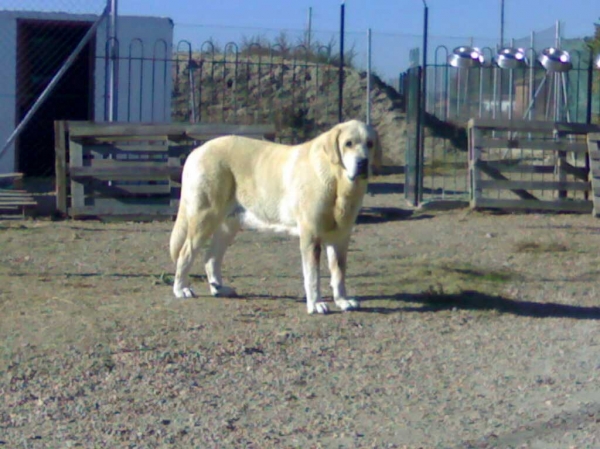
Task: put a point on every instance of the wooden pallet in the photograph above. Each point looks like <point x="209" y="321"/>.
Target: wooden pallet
<point x="129" y="170"/>
<point x="593" y="140"/>
<point x="12" y="198"/>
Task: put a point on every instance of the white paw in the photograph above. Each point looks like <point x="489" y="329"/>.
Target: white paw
<point x="222" y="291"/>
<point x="348" y="304"/>
<point x="184" y="293"/>
<point x="318" y="307"/>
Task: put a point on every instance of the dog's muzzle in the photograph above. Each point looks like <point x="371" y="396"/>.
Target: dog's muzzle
<point x="362" y="168"/>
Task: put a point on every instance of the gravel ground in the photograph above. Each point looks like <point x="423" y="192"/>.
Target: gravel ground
<point x="477" y="330"/>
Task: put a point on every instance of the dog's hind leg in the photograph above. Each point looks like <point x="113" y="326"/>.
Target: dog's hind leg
<point x="336" y="257"/>
<point x="199" y="230"/>
<point x="222" y="238"/>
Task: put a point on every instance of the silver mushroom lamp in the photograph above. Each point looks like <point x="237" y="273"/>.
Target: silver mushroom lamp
<point x="466" y="57"/>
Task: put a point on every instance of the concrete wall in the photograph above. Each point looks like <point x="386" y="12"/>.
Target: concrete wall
<point x="145" y="83"/>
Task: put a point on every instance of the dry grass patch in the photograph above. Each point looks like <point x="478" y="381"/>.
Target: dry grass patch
<point x="540" y="247"/>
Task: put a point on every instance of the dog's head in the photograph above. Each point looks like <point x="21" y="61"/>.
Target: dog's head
<point x="354" y="146"/>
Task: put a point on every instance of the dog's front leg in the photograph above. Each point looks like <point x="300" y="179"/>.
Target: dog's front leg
<point x="311" y="258"/>
<point x="336" y="257"/>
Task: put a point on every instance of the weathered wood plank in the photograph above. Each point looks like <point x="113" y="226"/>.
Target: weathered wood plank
<point x="593" y="140"/>
<point x="578" y="172"/>
<point x="117" y="149"/>
<point x="495" y="174"/>
<point x="518" y="168"/>
<point x="60" y="165"/>
<point x="124" y="210"/>
<point x="594" y="152"/>
<point x="511" y="167"/>
<point x="175" y="181"/>
<point x="199" y="131"/>
<point x="534" y="144"/>
<point x="10" y="177"/>
<point x="115" y="190"/>
<point x="595" y="171"/>
<point x="533" y="126"/>
<point x="116" y="164"/>
<point x="474" y="158"/>
<point x="140" y="201"/>
<point x="536" y="185"/>
<point x="126" y="173"/>
<point x="18" y="202"/>
<point x="76" y="163"/>
<point x="14" y="192"/>
<point x="594" y="137"/>
<point x="583" y="206"/>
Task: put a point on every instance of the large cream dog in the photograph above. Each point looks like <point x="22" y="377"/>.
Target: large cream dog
<point x="313" y="190"/>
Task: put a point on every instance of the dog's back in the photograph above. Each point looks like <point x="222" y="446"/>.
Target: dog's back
<point x="232" y="172"/>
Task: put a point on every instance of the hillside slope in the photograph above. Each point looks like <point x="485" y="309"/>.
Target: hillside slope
<point x="300" y="99"/>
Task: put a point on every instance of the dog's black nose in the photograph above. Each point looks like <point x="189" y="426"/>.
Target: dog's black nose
<point x="362" y="167"/>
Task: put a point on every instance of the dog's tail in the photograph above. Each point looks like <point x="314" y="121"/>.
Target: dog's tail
<point x="179" y="233"/>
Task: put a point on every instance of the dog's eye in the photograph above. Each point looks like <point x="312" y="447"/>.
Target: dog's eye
<point x="348" y="143"/>
<point x="369" y="144"/>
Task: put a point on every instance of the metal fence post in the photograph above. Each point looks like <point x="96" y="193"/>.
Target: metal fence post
<point x="113" y="61"/>
<point x="341" y="65"/>
<point x="368" y="117"/>
<point x="422" y="106"/>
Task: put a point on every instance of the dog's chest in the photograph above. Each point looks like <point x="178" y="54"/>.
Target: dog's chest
<point x="345" y="211"/>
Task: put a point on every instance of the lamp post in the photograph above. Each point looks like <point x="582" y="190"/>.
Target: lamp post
<point x="556" y="62"/>
<point x="509" y="58"/>
<point x="464" y="57"/>
<point x="501" y="23"/>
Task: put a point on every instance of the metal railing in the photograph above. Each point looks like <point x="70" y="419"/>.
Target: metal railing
<point x="294" y="88"/>
<point x="455" y="95"/>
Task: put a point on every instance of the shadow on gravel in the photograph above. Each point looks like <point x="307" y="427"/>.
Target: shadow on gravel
<point x="473" y="300"/>
<point x="383" y="188"/>
<point x="584" y="419"/>
<point x="373" y="215"/>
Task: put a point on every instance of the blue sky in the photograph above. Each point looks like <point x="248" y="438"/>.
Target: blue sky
<point x="396" y="24"/>
<point x="479" y="18"/>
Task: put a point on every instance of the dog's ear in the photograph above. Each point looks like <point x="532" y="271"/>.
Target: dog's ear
<point x="377" y="156"/>
<point x="330" y="143"/>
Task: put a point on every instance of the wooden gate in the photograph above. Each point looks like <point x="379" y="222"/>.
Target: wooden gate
<point x="594" y="152"/>
<point x="529" y="165"/>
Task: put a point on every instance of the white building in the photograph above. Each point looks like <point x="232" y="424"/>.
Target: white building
<point x="33" y="45"/>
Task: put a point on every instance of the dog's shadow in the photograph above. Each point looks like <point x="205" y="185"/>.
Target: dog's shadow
<point x="374" y="215"/>
<point x="474" y="300"/>
<point x="466" y="300"/>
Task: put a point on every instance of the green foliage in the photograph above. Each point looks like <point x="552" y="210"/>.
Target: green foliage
<point x="593" y="42"/>
<point x="283" y="46"/>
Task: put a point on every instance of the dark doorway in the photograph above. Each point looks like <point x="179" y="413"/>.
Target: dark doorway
<point x="42" y="48"/>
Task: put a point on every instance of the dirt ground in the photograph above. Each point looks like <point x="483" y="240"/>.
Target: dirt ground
<point x="477" y="330"/>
